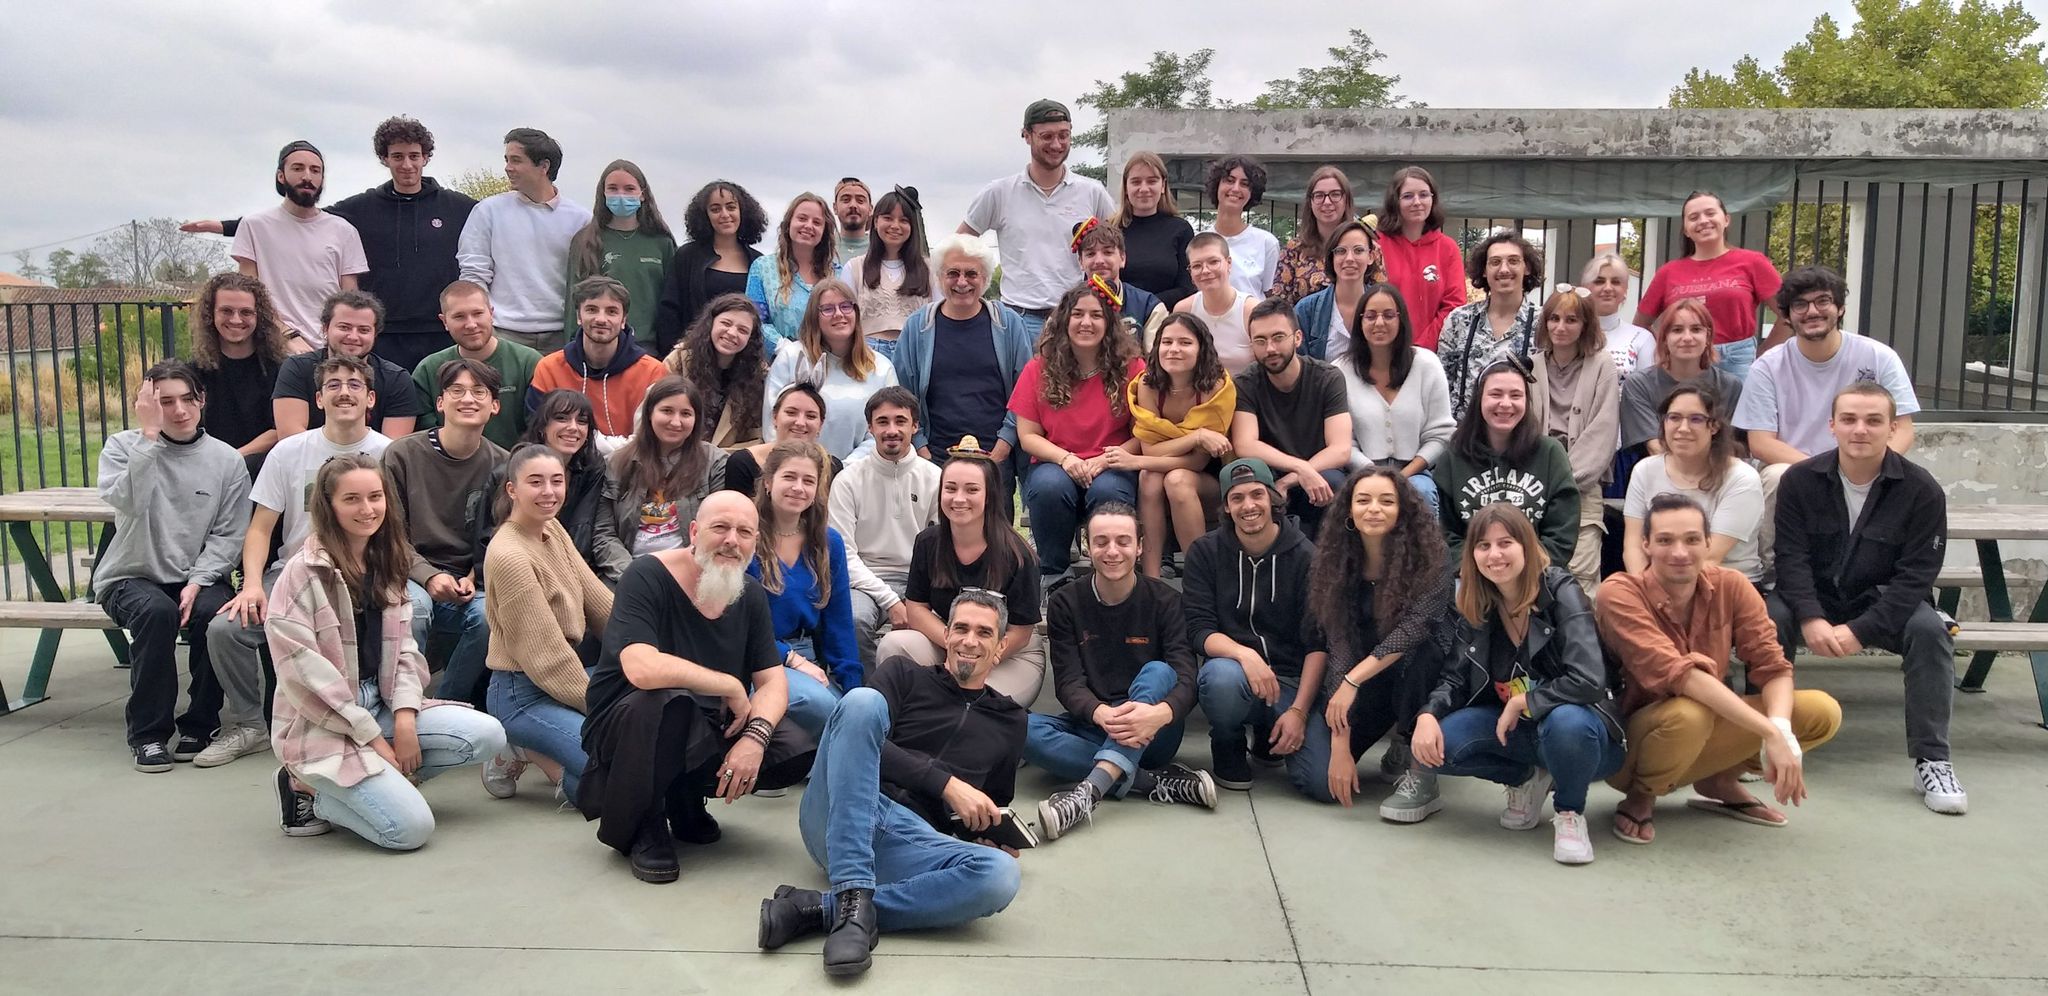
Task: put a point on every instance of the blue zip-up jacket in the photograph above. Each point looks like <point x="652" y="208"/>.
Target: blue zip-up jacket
<point x="1014" y="343"/>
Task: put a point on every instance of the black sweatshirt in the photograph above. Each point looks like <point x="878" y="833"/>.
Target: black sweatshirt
<point x="1260" y="602"/>
<point x="409" y="240"/>
<point x="939" y="731"/>
<point x="1869" y="575"/>
<point x="1097" y="649"/>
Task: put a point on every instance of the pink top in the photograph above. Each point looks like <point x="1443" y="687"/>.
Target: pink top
<point x="1735" y="284"/>
<point x="1430" y="274"/>
<point x="1085" y="426"/>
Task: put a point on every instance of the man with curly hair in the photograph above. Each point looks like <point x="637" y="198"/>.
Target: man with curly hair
<point x="237" y="348"/>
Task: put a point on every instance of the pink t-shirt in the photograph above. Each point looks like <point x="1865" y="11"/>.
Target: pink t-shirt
<point x="1736" y="284"/>
<point x="300" y="261"/>
<point x="1085" y="426"/>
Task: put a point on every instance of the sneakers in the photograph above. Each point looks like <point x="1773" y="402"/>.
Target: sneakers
<point x="1178" y="784"/>
<point x="153" y="758"/>
<point x="1415" y="798"/>
<point x="234" y="742"/>
<point x="1939" y="788"/>
<point x="295" y="808"/>
<point x="1525" y="802"/>
<point x="849" y="947"/>
<point x="1574" y="845"/>
<point x="791" y="914"/>
<point x="1065" y="810"/>
<point x="1394" y="764"/>
<point x="187" y="748"/>
<point x="1233" y="769"/>
<point x="502" y="771"/>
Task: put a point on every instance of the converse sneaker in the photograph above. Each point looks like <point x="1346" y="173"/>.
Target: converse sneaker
<point x="1574" y="846"/>
<point x="295" y="808"/>
<point x="1064" y="811"/>
<point x="502" y="771"/>
<point x="1178" y="784"/>
<point x="152" y="758"/>
<point x="1415" y="798"/>
<point x="185" y="748"/>
<point x="1939" y="788"/>
<point x="1525" y="802"/>
<point x="234" y="742"/>
<point x="1227" y="758"/>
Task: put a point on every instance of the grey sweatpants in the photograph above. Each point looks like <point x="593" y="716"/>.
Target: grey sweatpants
<point x="237" y="653"/>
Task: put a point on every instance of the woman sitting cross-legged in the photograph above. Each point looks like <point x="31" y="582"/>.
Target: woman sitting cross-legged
<point x="351" y="722"/>
<point x="547" y="613"/>
<point x="802" y="566"/>
<point x="1523" y="700"/>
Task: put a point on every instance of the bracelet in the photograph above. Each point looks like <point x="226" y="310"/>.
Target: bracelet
<point x="1354" y="685"/>
<point x="764" y="727"/>
<point x="1304" y="712"/>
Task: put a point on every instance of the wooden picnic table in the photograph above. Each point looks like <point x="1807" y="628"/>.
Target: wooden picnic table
<point x="22" y="511"/>
<point x="1986" y="525"/>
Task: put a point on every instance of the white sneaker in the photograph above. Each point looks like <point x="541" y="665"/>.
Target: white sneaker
<point x="1574" y="845"/>
<point x="1525" y="802"/>
<point x="239" y="741"/>
<point x="502" y="771"/>
<point x="1939" y="788"/>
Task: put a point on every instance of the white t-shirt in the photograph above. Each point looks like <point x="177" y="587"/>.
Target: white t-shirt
<point x="1254" y="260"/>
<point x="1855" y="495"/>
<point x="1735" y="509"/>
<point x="301" y="261"/>
<point x="1631" y="346"/>
<point x="1793" y="396"/>
<point x="1338" y="345"/>
<point x="287" y="478"/>
<point x="1032" y="231"/>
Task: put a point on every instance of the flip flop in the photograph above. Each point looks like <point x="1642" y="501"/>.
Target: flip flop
<point x="1744" y="811"/>
<point x="1641" y="823"/>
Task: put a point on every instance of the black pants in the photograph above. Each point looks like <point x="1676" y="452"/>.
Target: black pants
<point x="149" y="612"/>
<point x="407" y="349"/>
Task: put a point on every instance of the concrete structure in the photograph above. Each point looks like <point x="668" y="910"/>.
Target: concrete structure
<point x="1904" y="191"/>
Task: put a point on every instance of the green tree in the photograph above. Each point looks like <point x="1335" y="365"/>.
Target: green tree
<point x="25" y="266"/>
<point x="1167" y="81"/>
<point x="70" y="269"/>
<point x="1349" y="81"/>
<point x="480" y="183"/>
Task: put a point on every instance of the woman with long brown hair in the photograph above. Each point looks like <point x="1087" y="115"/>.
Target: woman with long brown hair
<point x="1523" y="700"/>
<point x="1326" y="316"/>
<point x="663" y="472"/>
<point x="780" y="283"/>
<point x="352" y="726"/>
<point x="1421" y="260"/>
<point x="801" y="564"/>
<point x="1577" y="396"/>
<point x="1327" y="206"/>
<point x="722" y="354"/>
<point x="1181" y="408"/>
<point x="628" y="241"/>
<point x="1074" y="421"/>
<point x="830" y="353"/>
<point x="237" y="347"/>
<point x="894" y="278"/>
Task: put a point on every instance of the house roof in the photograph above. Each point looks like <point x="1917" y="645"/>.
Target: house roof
<point x="60" y="319"/>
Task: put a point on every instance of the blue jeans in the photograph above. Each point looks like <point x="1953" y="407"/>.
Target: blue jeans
<point x="1032" y="323"/>
<point x="535" y="721"/>
<point x="1735" y="357"/>
<point x="1067" y="747"/>
<point x="885" y="348"/>
<point x="1425" y="486"/>
<point x="1571" y="742"/>
<point x="1227" y="700"/>
<point x="388" y="810"/>
<point x="810" y="703"/>
<point x="1057" y="505"/>
<point x="865" y="840"/>
<point x="463" y="680"/>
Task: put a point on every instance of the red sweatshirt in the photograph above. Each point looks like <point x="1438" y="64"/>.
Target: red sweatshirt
<point x="1430" y="275"/>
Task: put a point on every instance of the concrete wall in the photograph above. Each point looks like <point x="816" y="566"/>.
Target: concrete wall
<point x="1989" y="463"/>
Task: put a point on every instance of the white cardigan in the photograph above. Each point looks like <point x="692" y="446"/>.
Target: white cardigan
<point x="1418" y="423"/>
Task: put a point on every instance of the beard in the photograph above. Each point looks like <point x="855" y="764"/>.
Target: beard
<point x="963" y="671"/>
<point x="718" y="586"/>
<point x="303" y="197"/>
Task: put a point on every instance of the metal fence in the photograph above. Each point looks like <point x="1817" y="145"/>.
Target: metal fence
<point x="72" y="370"/>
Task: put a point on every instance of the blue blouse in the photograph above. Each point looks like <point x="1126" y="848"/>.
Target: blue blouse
<point x="779" y="319"/>
<point x="798" y="616"/>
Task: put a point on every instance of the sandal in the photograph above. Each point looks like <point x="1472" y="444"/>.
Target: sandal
<point x="1642" y="823"/>
<point x="1746" y="810"/>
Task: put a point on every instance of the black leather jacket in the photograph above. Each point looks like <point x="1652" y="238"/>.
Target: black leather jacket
<point x="1562" y="653"/>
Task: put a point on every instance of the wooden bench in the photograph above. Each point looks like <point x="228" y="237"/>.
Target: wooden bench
<point x="55" y="615"/>
<point x="1986" y="525"/>
<point x="56" y="612"/>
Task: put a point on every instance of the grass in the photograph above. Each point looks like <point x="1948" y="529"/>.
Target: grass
<point x="35" y="459"/>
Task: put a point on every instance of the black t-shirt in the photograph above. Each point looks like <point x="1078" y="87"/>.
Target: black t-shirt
<point x="1504" y="667"/>
<point x="1021" y="591"/>
<point x="650" y="607"/>
<point x="717" y="281"/>
<point x="965" y="394"/>
<point x="395" y="395"/>
<point x="238" y="399"/>
<point x="1156" y="257"/>
<point x="1292" y="421"/>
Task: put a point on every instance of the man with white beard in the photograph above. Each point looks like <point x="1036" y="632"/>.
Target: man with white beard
<point x="688" y="698"/>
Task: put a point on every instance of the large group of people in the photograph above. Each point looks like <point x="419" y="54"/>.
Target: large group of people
<point x="674" y="523"/>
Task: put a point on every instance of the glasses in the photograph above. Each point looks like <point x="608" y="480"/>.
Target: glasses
<point x="1812" y="303"/>
<point x="963" y="274"/>
<point x="987" y="593"/>
<point x="458" y="392"/>
<point x="842" y="308"/>
<point x="1326" y="196"/>
<point x="344" y="385"/>
<point x="1694" y="419"/>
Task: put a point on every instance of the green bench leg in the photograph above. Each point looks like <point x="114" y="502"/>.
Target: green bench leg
<point x="37" y="567"/>
<point x="1997" y="608"/>
<point x="2040" y="662"/>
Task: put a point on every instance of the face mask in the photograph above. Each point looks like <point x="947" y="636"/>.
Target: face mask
<point x="622" y="207"/>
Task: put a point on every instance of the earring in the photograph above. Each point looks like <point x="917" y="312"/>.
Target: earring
<point x="1350" y="524"/>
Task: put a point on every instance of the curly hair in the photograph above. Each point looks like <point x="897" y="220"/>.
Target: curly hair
<point x="697" y="217"/>
<point x="269" y="334"/>
<point x="401" y="130"/>
<point x="1060" y="370"/>
<point x="1254" y="173"/>
<point x="1414" y="554"/>
<point x="785" y="249"/>
<point x="812" y="523"/>
<point x="738" y="384"/>
<point x="1208" y="373"/>
<point x="1532" y="260"/>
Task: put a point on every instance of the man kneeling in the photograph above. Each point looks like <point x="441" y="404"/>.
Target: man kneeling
<point x="688" y="699"/>
<point x="1672" y="627"/>
<point x="916" y="749"/>
<point x="1123" y="669"/>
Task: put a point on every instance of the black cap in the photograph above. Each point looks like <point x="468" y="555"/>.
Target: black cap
<point x="298" y="146"/>
<point x="1046" y="111"/>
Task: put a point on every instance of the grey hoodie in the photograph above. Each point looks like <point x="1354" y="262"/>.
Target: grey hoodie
<point x="180" y="509"/>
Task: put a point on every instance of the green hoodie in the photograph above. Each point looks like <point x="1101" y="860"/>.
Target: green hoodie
<point x="1542" y="488"/>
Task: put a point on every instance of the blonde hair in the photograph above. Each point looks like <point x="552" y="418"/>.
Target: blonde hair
<point x="1662" y="331"/>
<point x="1123" y="216"/>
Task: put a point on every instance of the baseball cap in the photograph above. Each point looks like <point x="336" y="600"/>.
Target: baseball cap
<point x="1248" y="470"/>
<point x="1046" y="111"/>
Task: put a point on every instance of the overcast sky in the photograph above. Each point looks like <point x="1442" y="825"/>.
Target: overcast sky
<point x="111" y="111"/>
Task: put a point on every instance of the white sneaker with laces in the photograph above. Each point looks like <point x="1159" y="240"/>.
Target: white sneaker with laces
<point x="1939" y="788"/>
<point x="239" y="741"/>
<point x="1574" y="845"/>
<point x="1525" y="802"/>
<point x="502" y="771"/>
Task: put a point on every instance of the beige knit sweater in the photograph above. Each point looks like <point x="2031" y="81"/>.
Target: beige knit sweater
<point x="542" y="598"/>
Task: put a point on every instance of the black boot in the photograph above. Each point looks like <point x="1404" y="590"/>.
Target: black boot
<point x="692" y="823"/>
<point x="849" y="947"/>
<point x="654" y="854"/>
<point x="792" y="914"/>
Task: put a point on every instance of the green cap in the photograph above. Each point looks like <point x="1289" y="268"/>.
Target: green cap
<point x="1046" y="111"/>
<point x="1248" y="470"/>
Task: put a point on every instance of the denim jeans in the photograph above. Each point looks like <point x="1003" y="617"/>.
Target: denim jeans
<point x="1227" y="699"/>
<point x="149" y="612"/>
<point x="1067" y="747"/>
<point x="1425" y="486"/>
<point x="865" y="840"/>
<point x="535" y="721"/>
<point x="810" y="703"/>
<point x="386" y="809"/>
<point x="1735" y="357"/>
<point x="1571" y="742"/>
<point x="463" y="680"/>
<point x="1032" y="323"/>
<point x="1058" y="504"/>
<point x="1382" y="704"/>
<point x="885" y="348"/>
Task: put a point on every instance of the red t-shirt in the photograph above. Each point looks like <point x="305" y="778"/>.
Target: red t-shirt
<point x="1085" y="426"/>
<point x="1735" y="284"/>
<point x="1430" y="274"/>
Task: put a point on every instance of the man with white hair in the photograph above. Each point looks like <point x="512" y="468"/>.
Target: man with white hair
<point x="985" y="346"/>
<point x="688" y="698"/>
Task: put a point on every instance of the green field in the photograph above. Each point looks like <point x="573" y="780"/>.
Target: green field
<point x="36" y="459"/>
